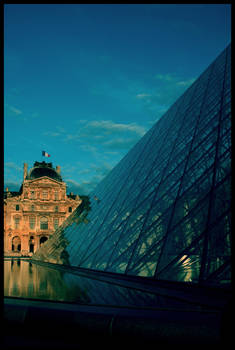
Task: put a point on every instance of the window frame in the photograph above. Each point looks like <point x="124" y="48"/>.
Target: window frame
<point x="44" y="194"/>
<point x="43" y="223"/>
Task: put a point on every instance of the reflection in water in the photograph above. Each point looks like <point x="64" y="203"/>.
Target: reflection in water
<point x="26" y="280"/>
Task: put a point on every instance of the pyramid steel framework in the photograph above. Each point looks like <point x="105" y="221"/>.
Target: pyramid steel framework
<point x="164" y="210"/>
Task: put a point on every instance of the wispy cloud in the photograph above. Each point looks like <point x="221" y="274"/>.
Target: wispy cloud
<point x="83" y="187"/>
<point x="14" y="110"/>
<point x="12" y="165"/>
<point x="102" y="169"/>
<point x="186" y="82"/>
<point x="170" y="78"/>
<point x="88" y="148"/>
<point x="11" y="173"/>
<point x="143" y="96"/>
<point x="105" y="133"/>
<point x="58" y="131"/>
<point x="35" y="115"/>
<point x="120" y="143"/>
<point x="51" y="133"/>
<point x="109" y="135"/>
<point x="109" y="127"/>
<point x="165" y="77"/>
<point x="80" y="188"/>
<point x="168" y="88"/>
<point x="83" y="171"/>
<point x="103" y="140"/>
<point x="83" y="178"/>
<point x="18" y="113"/>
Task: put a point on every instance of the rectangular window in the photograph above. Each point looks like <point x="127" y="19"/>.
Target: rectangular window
<point x="17" y="222"/>
<point x="56" y="208"/>
<point x="17" y="207"/>
<point x="32" y="194"/>
<point x="44" y="224"/>
<point x="32" y="207"/>
<point x="32" y="222"/>
<point x="44" y="194"/>
<point x="56" y="195"/>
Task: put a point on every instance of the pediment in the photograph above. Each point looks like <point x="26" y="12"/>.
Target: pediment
<point x="45" y="180"/>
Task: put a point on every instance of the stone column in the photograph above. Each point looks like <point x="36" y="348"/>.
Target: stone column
<point x="25" y="170"/>
<point x="7" y="243"/>
<point x="25" y="244"/>
<point x="36" y="243"/>
<point x="38" y="222"/>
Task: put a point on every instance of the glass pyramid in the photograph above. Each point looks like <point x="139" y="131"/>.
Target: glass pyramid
<point x="164" y="210"/>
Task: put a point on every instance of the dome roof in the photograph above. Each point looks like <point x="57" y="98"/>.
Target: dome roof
<point x="43" y="169"/>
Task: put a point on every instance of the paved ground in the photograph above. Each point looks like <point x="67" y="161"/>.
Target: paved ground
<point x="59" y="325"/>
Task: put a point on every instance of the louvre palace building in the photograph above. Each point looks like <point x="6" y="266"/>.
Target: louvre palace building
<point x="33" y="214"/>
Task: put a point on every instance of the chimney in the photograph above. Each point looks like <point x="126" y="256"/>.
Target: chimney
<point x="25" y="170"/>
<point x="58" y="169"/>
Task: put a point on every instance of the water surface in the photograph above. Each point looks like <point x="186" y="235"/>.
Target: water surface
<point x="24" y="279"/>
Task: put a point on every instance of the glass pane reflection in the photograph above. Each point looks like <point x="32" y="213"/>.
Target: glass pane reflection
<point x="159" y="206"/>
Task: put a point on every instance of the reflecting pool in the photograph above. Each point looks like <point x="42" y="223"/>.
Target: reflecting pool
<point x="25" y="279"/>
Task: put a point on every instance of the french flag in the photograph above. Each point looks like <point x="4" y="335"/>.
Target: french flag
<point x="45" y="154"/>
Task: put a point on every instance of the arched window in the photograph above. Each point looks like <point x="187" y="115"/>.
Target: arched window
<point x="70" y="209"/>
<point x="16" y="244"/>
<point x="31" y="244"/>
<point x="31" y="248"/>
<point x="43" y="239"/>
<point x="17" y="207"/>
<point x="56" y="208"/>
<point x="44" y="223"/>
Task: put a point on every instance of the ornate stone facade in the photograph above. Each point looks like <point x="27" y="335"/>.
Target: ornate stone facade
<point x="33" y="214"/>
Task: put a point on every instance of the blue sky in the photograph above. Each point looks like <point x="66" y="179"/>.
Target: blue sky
<point x="85" y="82"/>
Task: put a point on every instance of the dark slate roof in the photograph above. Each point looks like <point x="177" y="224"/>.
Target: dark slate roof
<point x="11" y="194"/>
<point x="41" y="169"/>
<point x="72" y="196"/>
<point x="8" y="194"/>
